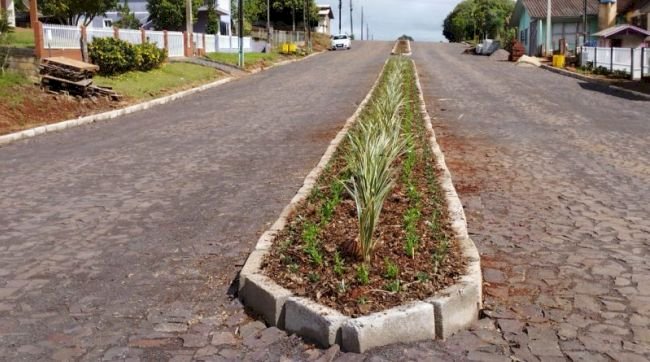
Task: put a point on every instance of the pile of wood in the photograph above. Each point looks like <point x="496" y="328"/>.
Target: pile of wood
<point x="60" y="74"/>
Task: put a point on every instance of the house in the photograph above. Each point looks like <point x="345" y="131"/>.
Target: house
<point x="9" y="7"/>
<point x="325" y="16"/>
<point x="623" y="36"/>
<point x="566" y="23"/>
<point x="139" y="9"/>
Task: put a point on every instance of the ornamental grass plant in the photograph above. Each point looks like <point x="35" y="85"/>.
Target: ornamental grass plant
<point x="374" y="146"/>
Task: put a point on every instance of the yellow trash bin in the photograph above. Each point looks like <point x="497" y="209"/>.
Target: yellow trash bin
<point x="559" y="61"/>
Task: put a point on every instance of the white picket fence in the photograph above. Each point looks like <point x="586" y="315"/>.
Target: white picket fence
<point x="635" y="62"/>
<point x="69" y="37"/>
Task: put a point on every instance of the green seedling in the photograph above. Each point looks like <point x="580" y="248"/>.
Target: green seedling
<point x="339" y="267"/>
<point x="363" y="274"/>
<point x="392" y="271"/>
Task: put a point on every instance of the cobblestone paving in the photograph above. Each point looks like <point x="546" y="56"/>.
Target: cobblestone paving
<point x="554" y="175"/>
<point x="119" y="240"/>
<point x="123" y="237"/>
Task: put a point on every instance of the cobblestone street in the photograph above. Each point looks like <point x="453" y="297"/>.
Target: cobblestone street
<point x="554" y="175"/>
<point x="119" y="241"/>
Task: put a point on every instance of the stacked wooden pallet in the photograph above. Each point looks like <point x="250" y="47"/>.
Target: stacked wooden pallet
<point x="62" y="74"/>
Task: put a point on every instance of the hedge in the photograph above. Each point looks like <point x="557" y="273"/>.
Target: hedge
<point x="115" y="56"/>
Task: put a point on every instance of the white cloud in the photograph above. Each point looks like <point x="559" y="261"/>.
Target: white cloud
<point x="388" y="19"/>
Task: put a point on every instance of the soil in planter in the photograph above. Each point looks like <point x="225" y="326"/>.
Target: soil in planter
<point x="312" y="255"/>
<point x="402" y="46"/>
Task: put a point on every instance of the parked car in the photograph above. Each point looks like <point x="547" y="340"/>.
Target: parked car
<point x="340" y="41"/>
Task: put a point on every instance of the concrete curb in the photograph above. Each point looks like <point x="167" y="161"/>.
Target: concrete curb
<point x="285" y="62"/>
<point x="407" y="323"/>
<point x="448" y="311"/>
<point x="457" y="306"/>
<point x="60" y="126"/>
<point x="585" y="78"/>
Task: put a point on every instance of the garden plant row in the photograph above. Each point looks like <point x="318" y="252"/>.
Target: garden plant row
<point x="373" y="234"/>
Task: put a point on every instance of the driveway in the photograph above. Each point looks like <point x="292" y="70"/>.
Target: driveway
<point x="120" y="240"/>
<point x="554" y="174"/>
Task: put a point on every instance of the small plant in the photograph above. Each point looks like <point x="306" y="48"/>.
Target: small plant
<point x="310" y="238"/>
<point x="411" y="219"/>
<point x="293" y="268"/>
<point x="339" y="267"/>
<point x="315" y="254"/>
<point x="362" y="300"/>
<point x="393" y="286"/>
<point x="313" y="277"/>
<point x="363" y="274"/>
<point x="439" y="255"/>
<point x="411" y="244"/>
<point x="422" y="277"/>
<point x="327" y="210"/>
<point x="392" y="271"/>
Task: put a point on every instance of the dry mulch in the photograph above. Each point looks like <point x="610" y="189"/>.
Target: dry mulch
<point x="39" y="108"/>
<point x="290" y="266"/>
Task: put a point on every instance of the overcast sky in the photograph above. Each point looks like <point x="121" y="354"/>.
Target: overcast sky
<point x="388" y="19"/>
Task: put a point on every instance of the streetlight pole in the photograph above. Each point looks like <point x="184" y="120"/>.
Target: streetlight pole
<point x="268" y="24"/>
<point x="188" y="26"/>
<point x="549" y="30"/>
<point x="240" y="32"/>
<point x="351" y="23"/>
<point x="340" y="14"/>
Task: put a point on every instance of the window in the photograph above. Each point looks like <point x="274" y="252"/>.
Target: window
<point x="108" y="23"/>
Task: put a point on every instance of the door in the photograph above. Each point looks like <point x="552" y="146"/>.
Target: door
<point x="532" y="40"/>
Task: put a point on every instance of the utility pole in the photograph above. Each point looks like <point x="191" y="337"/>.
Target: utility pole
<point x="340" y="14"/>
<point x="351" y="24"/>
<point x="584" y="24"/>
<point x="188" y="25"/>
<point x="362" y="23"/>
<point x="367" y="31"/>
<point x="549" y="31"/>
<point x="240" y="5"/>
<point x="268" y="24"/>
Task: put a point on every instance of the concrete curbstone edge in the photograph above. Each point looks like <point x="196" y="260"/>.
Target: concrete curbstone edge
<point x="407" y="323"/>
<point x="314" y="322"/>
<point x="265" y="297"/>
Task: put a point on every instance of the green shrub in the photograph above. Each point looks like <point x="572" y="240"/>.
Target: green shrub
<point x="114" y="56"/>
<point x="151" y="57"/>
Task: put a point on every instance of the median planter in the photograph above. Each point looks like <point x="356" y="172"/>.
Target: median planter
<point x="373" y="249"/>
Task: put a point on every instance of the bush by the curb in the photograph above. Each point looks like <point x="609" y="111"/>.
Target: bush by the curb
<point x="114" y="56"/>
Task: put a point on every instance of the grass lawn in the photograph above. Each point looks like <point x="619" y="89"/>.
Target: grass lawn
<point x="171" y="77"/>
<point x="7" y="82"/>
<point x="250" y="59"/>
<point x="21" y="38"/>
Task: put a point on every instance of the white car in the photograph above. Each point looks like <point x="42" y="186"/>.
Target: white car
<point x="340" y="41"/>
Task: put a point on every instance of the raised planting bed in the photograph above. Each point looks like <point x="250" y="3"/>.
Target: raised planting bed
<point x="373" y="249"/>
<point x="402" y="47"/>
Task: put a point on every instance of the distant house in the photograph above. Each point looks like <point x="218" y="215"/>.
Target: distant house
<point x="139" y="9"/>
<point x="325" y="16"/>
<point x="566" y="23"/>
<point x="9" y="7"/>
<point x="623" y="36"/>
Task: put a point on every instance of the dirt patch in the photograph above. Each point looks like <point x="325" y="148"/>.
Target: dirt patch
<point x="37" y="108"/>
